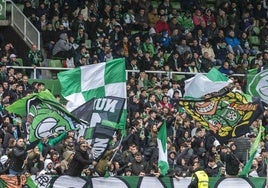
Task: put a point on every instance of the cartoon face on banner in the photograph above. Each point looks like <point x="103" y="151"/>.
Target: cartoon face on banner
<point x="222" y="114"/>
<point x="46" y="120"/>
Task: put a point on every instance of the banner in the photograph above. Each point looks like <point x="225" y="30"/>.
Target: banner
<point x="45" y="116"/>
<point x="102" y="115"/>
<point x="136" y="182"/>
<point x="84" y="83"/>
<point x="227" y="114"/>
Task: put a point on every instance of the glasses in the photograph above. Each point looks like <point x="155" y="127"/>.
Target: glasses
<point x="83" y="146"/>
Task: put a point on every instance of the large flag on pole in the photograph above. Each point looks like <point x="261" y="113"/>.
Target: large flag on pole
<point x="102" y="116"/>
<point x="252" y="153"/>
<point x="226" y="113"/>
<point x="81" y="84"/>
<point x="45" y="116"/>
<point x="162" y="148"/>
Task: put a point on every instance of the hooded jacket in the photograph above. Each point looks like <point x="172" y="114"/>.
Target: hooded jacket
<point x="46" y="170"/>
<point x="62" y="44"/>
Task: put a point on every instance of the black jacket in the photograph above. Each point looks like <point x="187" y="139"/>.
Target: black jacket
<point x="17" y="157"/>
<point x="78" y="163"/>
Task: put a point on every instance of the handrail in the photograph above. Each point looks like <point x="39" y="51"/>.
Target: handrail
<point x="127" y="71"/>
<point x="26" y="28"/>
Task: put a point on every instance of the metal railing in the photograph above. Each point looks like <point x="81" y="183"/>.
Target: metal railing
<point x="170" y="74"/>
<point x="24" y="26"/>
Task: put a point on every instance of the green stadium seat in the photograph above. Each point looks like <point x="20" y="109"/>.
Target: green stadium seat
<point x="155" y="3"/>
<point x="255" y="41"/>
<point x="177" y="77"/>
<point x="55" y="63"/>
<point x="166" y="56"/>
<point x="20" y="61"/>
<point x="88" y="44"/>
<point x="256" y="30"/>
<point x="176" y="5"/>
<point x="133" y="32"/>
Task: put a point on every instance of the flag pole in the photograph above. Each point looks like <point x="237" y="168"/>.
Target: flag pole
<point x="117" y="149"/>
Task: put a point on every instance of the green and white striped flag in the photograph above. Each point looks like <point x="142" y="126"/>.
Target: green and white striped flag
<point x="81" y="84"/>
<point x="162" y="148"/>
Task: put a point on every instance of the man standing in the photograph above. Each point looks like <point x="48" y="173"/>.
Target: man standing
<point x="18" y="158"/>
<point x="199" y="177"/>
<point x="80" y="161"/>
<point x="36" y="58"/>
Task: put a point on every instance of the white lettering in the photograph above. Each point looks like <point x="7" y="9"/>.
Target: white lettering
<point x="110" y="105"/>
<point x="95" y="119"/>
<point x="105" y="104"/>
<point x="99" y="146"/>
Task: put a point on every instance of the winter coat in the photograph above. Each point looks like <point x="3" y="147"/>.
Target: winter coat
<point x="102" y="165"/>
<point x="78" y="163"/>
<point x="232" y="41"/>
<point x="62" y="44"/>
<point x="46" y="170"/>
<point x="8" y="135"/>
<point x="17" y="157"/>
<point x="66" y="161"/>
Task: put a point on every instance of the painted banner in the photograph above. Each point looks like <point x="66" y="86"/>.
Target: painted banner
<point x="227" y="114"/>
<point x="45" y="115"/>
<point x="137" y="182"/>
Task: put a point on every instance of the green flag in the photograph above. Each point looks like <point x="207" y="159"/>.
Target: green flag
<point x="45" y="116"/>
<point x="252" y="153"/>
<point x="162" y="147"/>
<point x="82" y="84"/>
<point x="215" y="75"/>
<point x="20" y="106"/>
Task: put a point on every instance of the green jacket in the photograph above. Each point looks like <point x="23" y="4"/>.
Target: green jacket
<point x="51" y="141"/>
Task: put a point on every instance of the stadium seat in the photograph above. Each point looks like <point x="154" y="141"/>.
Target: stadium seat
<point x="176" y="5"/>
<point x="255" y="41"/>
<point x="255" y="30"/>
<point x="55" y="63"/>
<point x="155" y="3"/>
<point x="177" y="77"/>
<point x="166" y="56"/>
<point x="20" y="61"/>
<point x="88" y="44"/>
<point x="211" y="4"/>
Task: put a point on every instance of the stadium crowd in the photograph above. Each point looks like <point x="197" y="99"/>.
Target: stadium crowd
<point x="193" y="39"/>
